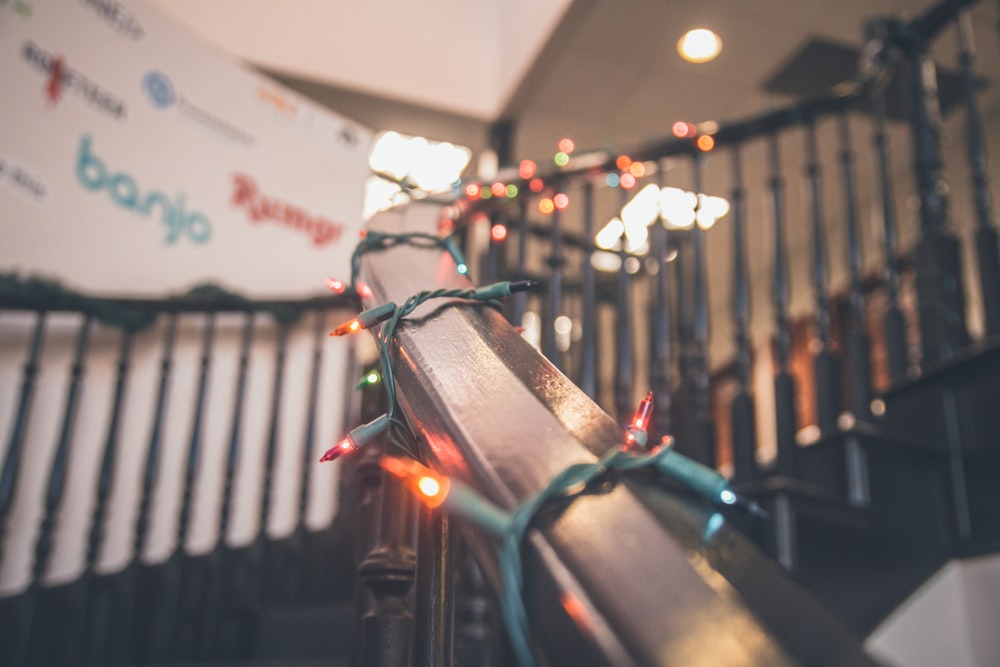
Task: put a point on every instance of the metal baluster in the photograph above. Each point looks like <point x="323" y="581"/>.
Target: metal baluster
<point x="128" y="630"/>
<point x="987" y="251"/>
<point x="893" y="322"/>
<point x="824" y="363"/>
<point x="493" y="250"/>
<point x="743" y="414"/>
<point x="660" y="330"/>
<point x="12" y="459"/>
<point x="434" y="634"/>
<point x="784" y="384"/>
<point x="166" y="644"/>
<point x="53" y="497"/>
<point x="92" y="623"/>
<point x="588" y="293"/>
<point x="940" y="296"/>
<point x="624" y="337"/>
<point x="270" y="456"/>
<point x="218" y="573"/>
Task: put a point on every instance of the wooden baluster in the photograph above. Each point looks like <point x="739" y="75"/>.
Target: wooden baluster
<point x="987" y="252"/>
<point x="743" y="411"/>
<point x="588" y="294"/>
<point x="624" y="336"/>
<point x="435" y="612"/>
<point x="893" y="322"/>
<point x="260" y="560"/>
<point x="308" y="450"/>
<point x="53" y="499"/>
<point x="170" y="632"/>
<point x="556" y="261"/>
<point x="89" y="630"/>
<point x="12" y="459"/>
<point x="131" y="631"/>
<point x="704" y="433"/>
<point x="659" y="373"/>
<point x="859" y="369"/>
<point x="824" y="363"/>
<point x="519" y="301"/>
<point x="937" y="259"/>
<point x="215" y="606"/>
<point x="493" y="249"/>
<point x="784" y="383"/>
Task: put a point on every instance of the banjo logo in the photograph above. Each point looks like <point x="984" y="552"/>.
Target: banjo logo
<point x="125" y="192"/>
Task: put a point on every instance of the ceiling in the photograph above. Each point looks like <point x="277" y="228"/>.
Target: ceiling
<point x="605" y="72"/>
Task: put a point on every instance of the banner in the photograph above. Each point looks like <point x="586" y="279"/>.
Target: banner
<point x="135" y="160"/>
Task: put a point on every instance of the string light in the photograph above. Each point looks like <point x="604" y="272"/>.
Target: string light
<point x="486" y="193"/>
<point x="627" y="181"/>
<point x="637" y="169"/>
<point x="371" y="378"/>
<point x="637" y="434"/>
<point x="536" y="185"/>
<point x="499" y="189"/>
<point x="561" y="159"/>
<point x="526" y="169"/>
<point x="498" y="233"/>
<point x="336" y="286"/>
<point x="706" y="142"/>
<point x="623" y="162"/>
<point x="471" y="190"/>
<point x="566" y="145"/>
<point x="512" y="191"/>
<point x="612" y="180"/>
<point x="357" y="438"/>
<point x="561" y="201"/>
<point x="546" y="206"/>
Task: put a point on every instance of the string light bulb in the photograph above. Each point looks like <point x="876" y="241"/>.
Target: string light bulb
<point x="637" y="434"/>
<point x="370" y="378"/>
<point x="436" y="490"/>
<point x="336" y="286"/>
<point x="356" y="439"/>
<point x="366" y="319"/>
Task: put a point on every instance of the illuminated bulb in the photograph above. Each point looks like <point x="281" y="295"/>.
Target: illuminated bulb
<point x="699" y="46"/>
<point x="462" y="268"/>
<point x="627" y="181"/>
<point x="498" y="233"/>
<point x="499" y="189"/>
<point x="511" y="191"/>
<point x="561" y="201"/>
<point x="429" y="486"/>
<point x="706" y="142"/>
<point x="566" y="145"/>
<point x="365" y="320"/>
<point x="536" y="185"/>
<point x="432" y="489"/>
<point x="561" y="159"/>
<point x="680" y="129"/>
<point x="365" y="291"/>
<point x="335" y="286"/>
<point x="623" y="162"/>
<point x="643" y="412"/>
<point x="485" y="193"/>
<point x="546" y="206"/>
<point x="356" y="439"/>
<point x="372" y="377"/>
<point x="637" y="169"/>
<point x="471" y="190"/>
<point x="526" y="169"/>
<point x="612" y="180"/>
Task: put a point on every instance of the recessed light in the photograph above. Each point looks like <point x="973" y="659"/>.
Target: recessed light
<point x="699" y="45"/>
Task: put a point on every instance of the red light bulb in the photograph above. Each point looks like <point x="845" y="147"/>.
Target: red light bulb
<point x="335" y="286"/>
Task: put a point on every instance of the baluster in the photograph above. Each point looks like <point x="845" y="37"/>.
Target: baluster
<point x="308" y="446"/>
<point x="893" y="322"/>
<point x="210" y="643"/>
<point x="555" y="260"/>
<point x="824" y="363"/>
<point x="987" y="252"/>
<point x="660" y="371"/>
<point x="743" y="412"/>
<point x="493" y="249"/>
<point x="128" y="631"/>
<point x="858" y="344"/>
<point x="92" y="624"/>
<point x="435" y="612"/>
<point x="388" y="572"/>
<point x="624" y="343"/>
<point x="704" y="433"/>
<point x="270" y="456"/>
<point x="12" y="459"/>
<point x="519" y="301"/>
<point x="784" y="384"/>
<point x="53" y="497"/>
<point x="940" y="296"/>
<point x="588" y="293"/>
<point x="167" y="643"/>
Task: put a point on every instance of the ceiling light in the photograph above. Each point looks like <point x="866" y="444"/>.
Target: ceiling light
<point x="699" y="45"/>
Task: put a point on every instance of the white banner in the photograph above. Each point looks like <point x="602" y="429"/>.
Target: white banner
<point x="134" y="159"/>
